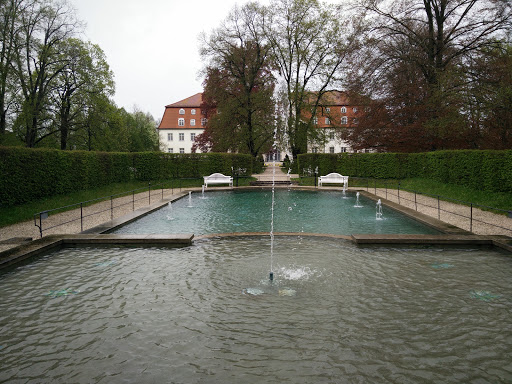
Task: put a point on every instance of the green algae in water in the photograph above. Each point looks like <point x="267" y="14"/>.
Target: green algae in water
<point x="61" y="293"/>
<point x="483" y="295"/>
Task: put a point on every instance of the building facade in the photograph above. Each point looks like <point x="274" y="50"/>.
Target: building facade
<point x="181" y="123"/>
<point x="334" y="116"/>
<point x="184" y="120"/>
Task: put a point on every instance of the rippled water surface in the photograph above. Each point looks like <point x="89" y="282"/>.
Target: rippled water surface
<point x="295" y="211"/>
<point x="208" y="314"/>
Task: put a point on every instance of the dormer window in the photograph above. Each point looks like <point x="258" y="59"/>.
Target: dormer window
<point x="327" y="109"/>
<point x="343" y="109"/>
<point x="182" y="111"/>
<point x="193" y="111"/>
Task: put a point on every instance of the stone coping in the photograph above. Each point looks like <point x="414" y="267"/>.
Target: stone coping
<point x="99" y="235"/>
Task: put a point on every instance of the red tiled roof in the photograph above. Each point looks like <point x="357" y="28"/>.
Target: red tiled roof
<point x="189" y="102"/>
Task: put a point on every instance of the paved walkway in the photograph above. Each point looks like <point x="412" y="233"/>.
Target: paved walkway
<point x="274" y="171"/>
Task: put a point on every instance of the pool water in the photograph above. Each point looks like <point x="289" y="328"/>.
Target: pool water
<point x="325" y="212"/>
<point x="208" y="314"/>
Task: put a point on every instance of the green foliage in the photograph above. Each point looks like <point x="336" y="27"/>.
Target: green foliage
<point x="31" y="174"/>
<point x="479" y="170"/>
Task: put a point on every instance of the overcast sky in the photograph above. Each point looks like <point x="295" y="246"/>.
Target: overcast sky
<point x="152" y="46"/>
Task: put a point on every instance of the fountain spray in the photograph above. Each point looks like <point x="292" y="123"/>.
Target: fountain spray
<point x="271" y="276"/>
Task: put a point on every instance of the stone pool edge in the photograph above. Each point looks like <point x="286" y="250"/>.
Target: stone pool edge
<point x="99" y="235"/>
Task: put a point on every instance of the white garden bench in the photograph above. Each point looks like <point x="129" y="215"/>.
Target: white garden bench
<point x="333" y="178"/>
<point x="217" y="178"/>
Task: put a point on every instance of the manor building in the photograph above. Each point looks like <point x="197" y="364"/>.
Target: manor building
<point x="184" y="120"/>
<point x="335" y="114"/>
<point x="181" y="123"/>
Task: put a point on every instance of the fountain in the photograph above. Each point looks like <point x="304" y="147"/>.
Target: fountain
<point x="378" y="214"/>
<point x="169" y="216"/>
<point x="358" y="204"/>
<point x="202" y="193"/>
<point x="190" y="199"/>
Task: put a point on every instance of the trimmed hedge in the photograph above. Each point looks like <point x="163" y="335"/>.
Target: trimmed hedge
<point x="29" y="174"/>
<point x="485" y="170"/>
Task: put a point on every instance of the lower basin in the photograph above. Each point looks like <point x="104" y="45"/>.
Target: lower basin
<point x="208" y="314"/>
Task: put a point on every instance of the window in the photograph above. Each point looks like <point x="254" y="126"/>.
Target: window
<point x="182" y="150"/>
<point x="182" y="111"/>
<point x="192" y="137"/>
<point x="203" y="121"/>
<point x="331" y="149"/>
<point x="331" y="135"/>
<point x="169" y="137"/>
<point x="327" y="109"/>
<point x="181" y="122"/>
<point x="344" y="120"/>
<point x="193" y="111"/>
<point x="182" y="136"/>
<point x="343" y="110"/>
<point x="315" y="120"/>
<point x="327" y="121"/>
<point x="192" y="122"/>
<point x="355" y="120"/>
<point x="315" y="150"/>
<point x="170" y="150"/>
<point x="354" y="109"/>
<point x="343" y="149"/>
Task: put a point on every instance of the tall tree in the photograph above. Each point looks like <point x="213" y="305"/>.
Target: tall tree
<point x="415" y="64"/>
<point x="239" y="85"/>
<point x="86" y="75"/>
<point x="45" y="26"/>
<point x="310" y="44"/>
<point x="10" y="11"/>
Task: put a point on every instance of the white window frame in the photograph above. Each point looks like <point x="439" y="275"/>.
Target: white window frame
<point x="181" y="122"/>
<point x="331" y="149"/>
<point x="343" y="109"/>
<point x="344" y="120"/>
<point x="354" y="109"/>
<point x="327" y="109"/>
<point x="193" y="136"/>
<point x="331" y="135"/>
<point x="327" y="121"/>
<point x="182" y="150"/>
<point x="192" y="122"/>
<point x="204" y="120"/>
<point x="169" y="136"/>
<point x="181" y="111"/>
<point x="170" y="150"/>
<point x="181" y="136"/>
<point x="193" y="111"/>
<point x="315" y="120"/>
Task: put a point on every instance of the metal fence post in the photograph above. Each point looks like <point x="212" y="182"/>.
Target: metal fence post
<point x="133" y="200"/>
<point x="40" y="225"/>
<point x="375" y="186"/>
<point x="111" y="207"/>
<point x="415" y="201"/>
<point x="81" y="217"/>
<point x="398" y="193"/>
<point x="471" y="219"/>
<point x="438" y="207"/>
<point x="149" y="186"/>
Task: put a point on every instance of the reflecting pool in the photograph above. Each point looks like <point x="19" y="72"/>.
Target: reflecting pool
<point x="295" y="211"/>
<point x="208" y="314"/>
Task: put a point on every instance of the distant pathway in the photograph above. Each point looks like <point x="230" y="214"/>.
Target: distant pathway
<point x="269" y="173"/>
